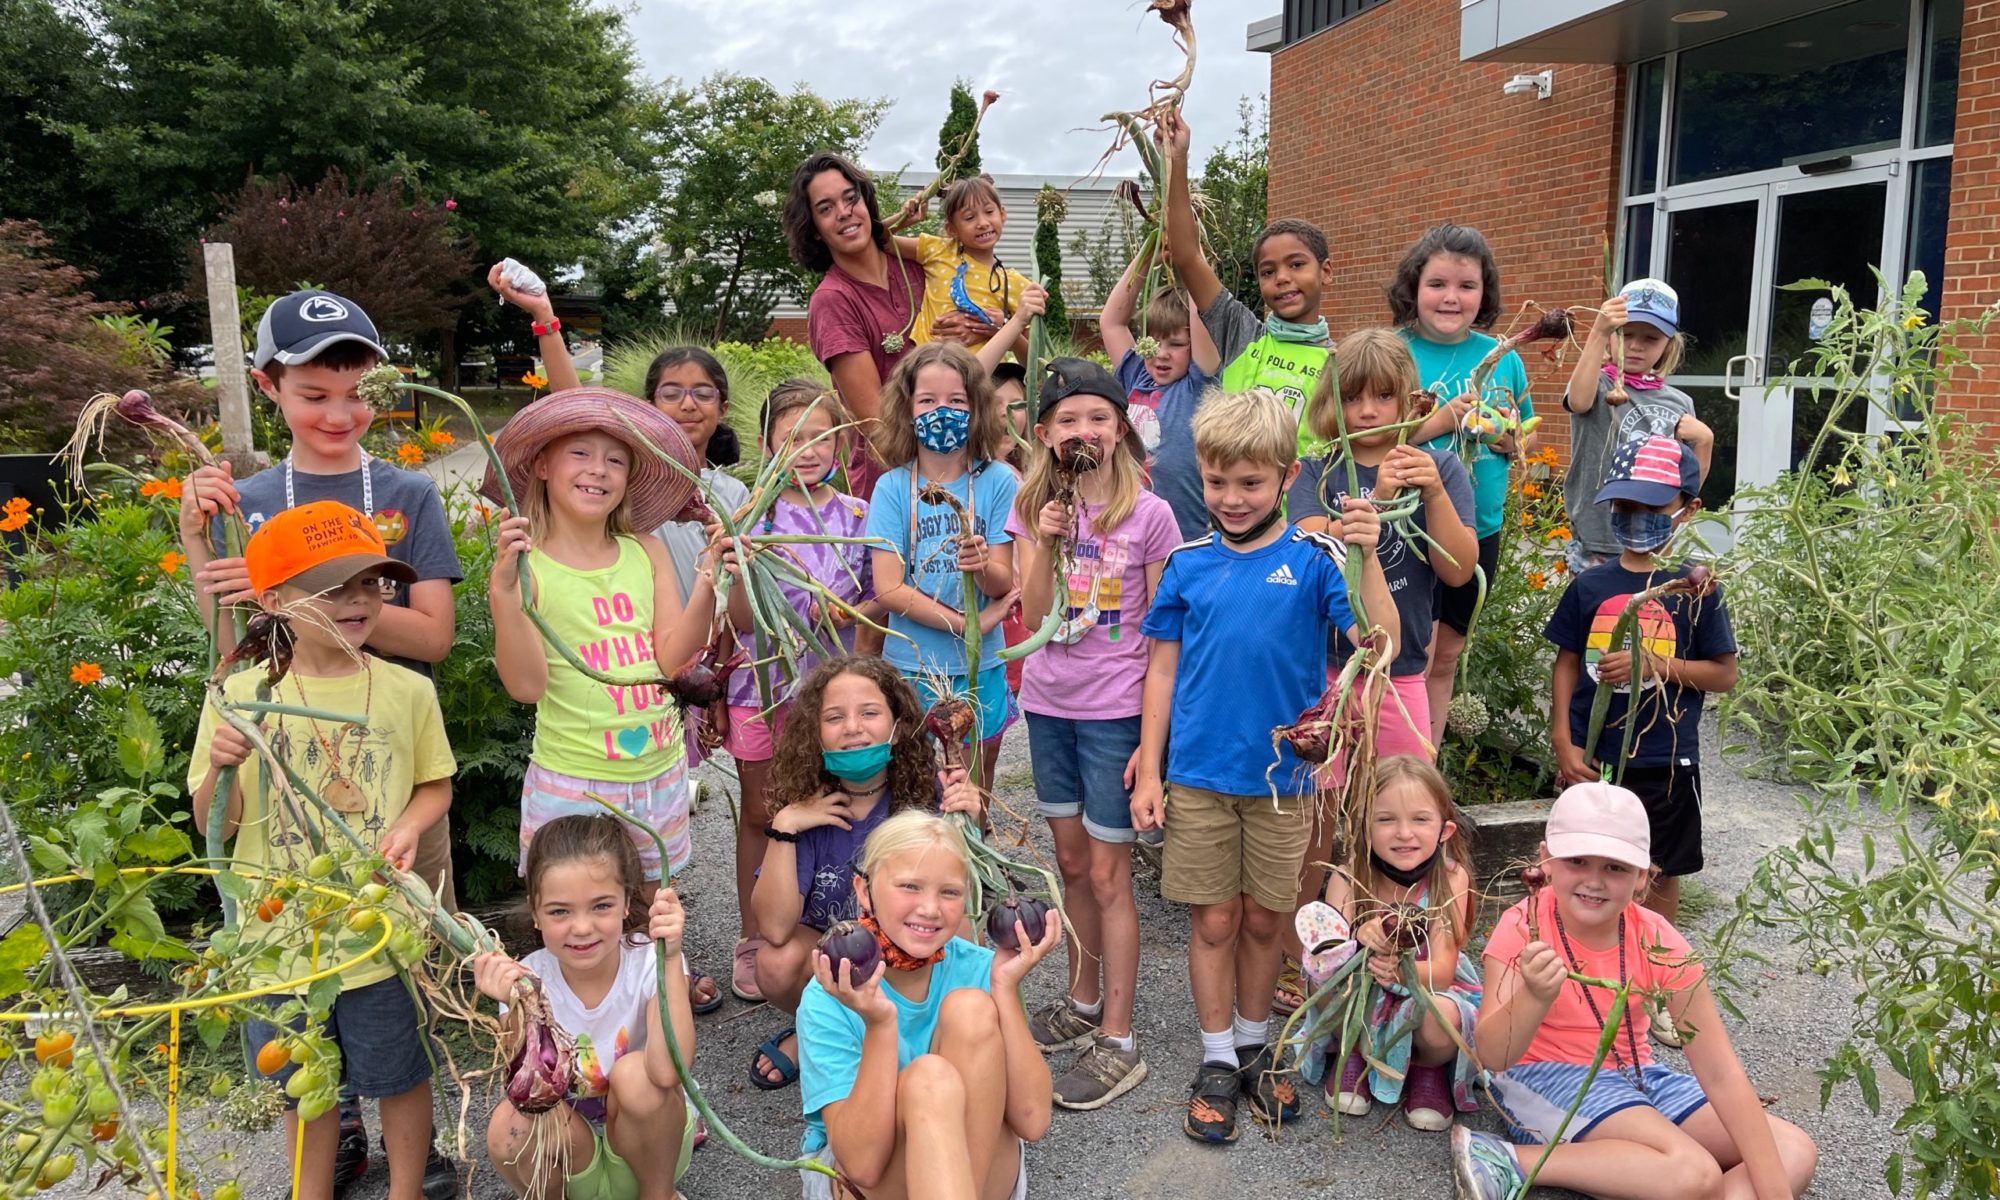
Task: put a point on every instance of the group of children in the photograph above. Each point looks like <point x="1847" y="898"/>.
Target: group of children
<point x="1194" y="577"/>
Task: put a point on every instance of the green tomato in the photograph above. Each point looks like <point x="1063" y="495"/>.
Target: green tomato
<point x="303" y="1082"/>
<point x="320" y="867"/>
<point x="219" y="1086"/>
<point x="361" y="920"/>
<point x="373" y="893"/>
<point x="25" y="1143"/>
<point x="229" y="1191"/>
<point x="58" y="1110"/>
<point x="100" y="1102"/>
<point x="56" y="1170"/>
<point x="315" y="1106"/>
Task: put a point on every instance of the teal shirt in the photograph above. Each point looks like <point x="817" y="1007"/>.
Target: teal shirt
<point x="1445" y="371"/>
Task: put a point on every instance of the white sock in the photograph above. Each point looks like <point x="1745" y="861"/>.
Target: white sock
<point x="1130" y="1040"/>
<point x="1089" y="1011"/>
<point x="1218" y="1047"/>
<point x="1251" y="1033"/>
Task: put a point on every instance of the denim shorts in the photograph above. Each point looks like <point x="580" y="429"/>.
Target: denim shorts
<point x="1080" y="770"/>
<point x="384" y="1049"/>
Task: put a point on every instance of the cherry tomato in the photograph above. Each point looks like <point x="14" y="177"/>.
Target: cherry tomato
<point x="320" y="867"/>
<point x="273" y="1057"/>
<point x="105" y="1130"/>
<point x="361" y="920"/>
<point x="54" y="1171"/>
<point x="55" y="1047"/>
<point x="229" y="1191"/>
<point x="269" y="907"/>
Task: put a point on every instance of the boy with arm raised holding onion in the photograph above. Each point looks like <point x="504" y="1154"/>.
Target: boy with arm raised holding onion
<point x="1236" y="627"/>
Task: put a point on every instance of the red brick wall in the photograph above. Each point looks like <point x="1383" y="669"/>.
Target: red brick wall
<point x="1378" y="132"/>
<point x="1972" y="237"/>
<point x="788" y="327"/>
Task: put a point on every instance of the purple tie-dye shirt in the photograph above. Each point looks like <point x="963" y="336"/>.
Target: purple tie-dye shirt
<point x="842" y="569"/>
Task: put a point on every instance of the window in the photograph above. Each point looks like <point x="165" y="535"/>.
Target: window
<point x="1649" y="80"/>
<point x="1303" y="18"/>
<point x="1937" y="95"/>
<point x="1638" y="259"/>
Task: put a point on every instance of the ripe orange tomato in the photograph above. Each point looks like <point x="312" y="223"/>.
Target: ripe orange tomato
<point x="273" y="1057"/>
<point x="55" y="1048"/>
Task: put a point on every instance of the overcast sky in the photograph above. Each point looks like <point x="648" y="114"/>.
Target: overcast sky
<point x="1058" y="64"/>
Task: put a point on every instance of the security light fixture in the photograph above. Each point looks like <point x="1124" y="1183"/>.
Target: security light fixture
<point x="1542" y="84"/>
<point x="1698" y="16"/>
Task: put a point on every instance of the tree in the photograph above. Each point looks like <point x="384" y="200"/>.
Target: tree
<point x="1050" y="208"/>
<point x="395" y="257"/>
<point x="521" y="111"/>
<point x="958" y="123"/>
<point x="724" y="151"/>
<point x="1106" y="256"/>
<point x="1233" y="191"/>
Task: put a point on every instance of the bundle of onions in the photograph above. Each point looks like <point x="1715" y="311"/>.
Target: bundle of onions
<point x="542" y="1067"/>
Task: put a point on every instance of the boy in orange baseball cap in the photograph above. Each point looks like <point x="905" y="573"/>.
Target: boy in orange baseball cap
<point x="321" y="574"/>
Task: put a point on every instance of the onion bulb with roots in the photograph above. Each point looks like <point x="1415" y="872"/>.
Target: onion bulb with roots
<point x="544" y="1061"/>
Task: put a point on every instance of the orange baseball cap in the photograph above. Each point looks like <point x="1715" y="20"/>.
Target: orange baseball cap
<point x="318" y="547"/>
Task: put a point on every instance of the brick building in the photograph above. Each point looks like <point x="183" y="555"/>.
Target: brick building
<point x="1728" y="146"/>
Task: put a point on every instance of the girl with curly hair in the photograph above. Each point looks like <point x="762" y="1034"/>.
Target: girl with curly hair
<point x="852" y="752"/>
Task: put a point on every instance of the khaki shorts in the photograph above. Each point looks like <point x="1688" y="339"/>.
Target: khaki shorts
<point x="432" y="862"/>
<point x="1219" y="847"/>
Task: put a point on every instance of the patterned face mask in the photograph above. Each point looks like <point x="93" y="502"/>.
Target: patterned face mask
<point x="944" y="430"/>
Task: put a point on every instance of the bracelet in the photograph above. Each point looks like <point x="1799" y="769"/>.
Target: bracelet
<point x="779" y="835"/>
<point x="541" y="330"/>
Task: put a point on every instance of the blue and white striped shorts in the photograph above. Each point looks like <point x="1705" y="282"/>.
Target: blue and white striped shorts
<point x="1534" y="1096"/>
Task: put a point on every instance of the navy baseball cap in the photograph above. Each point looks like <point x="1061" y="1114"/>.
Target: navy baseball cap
<point x="299" y="327"/>
<point x="1652" y="302"/>
<point x="1068" y="377"/>
<point x="1652" y="471"/>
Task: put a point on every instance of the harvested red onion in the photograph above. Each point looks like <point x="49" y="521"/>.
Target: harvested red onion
<point x="847" y="942"/>
<point x="1033" y="915"/>
<point x="950" y="721"/>
<point x="544" y="1060"/>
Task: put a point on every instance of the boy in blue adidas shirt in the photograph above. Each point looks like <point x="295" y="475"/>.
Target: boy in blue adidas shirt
<point x="1239" y="623"/>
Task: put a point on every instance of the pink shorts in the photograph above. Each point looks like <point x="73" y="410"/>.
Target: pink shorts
<point x="751" y="738"/>
<point x="1396" y="732"/>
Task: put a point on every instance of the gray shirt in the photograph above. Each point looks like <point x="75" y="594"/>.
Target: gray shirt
<point x="1406" y="565"/>
<point x="1594" y="437"/>
<point x="408" y="512"/>
<point x="687" y="539"/>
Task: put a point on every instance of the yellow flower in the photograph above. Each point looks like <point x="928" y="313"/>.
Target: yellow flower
<point x="409" y="454"/>
<point x="535" y="381"/>
<point x="172" y="561"/>
<point x="86" y="673"/>
<point x="439" y="437"/>
<point x="1914" y="321"/>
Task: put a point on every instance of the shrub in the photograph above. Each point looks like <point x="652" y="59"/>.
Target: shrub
<point x="753" y="371"/>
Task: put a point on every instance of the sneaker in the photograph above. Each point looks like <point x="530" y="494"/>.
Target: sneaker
<point x="1663" y="1029"/>
<point x="1482" y="1166"/>
<point x="1427" y="1099"/>
<point x="1058" y="1026"/>
<point x="1101" y="1074"/>
<point x="1350" y="1098"/>
<point x="350" y="1153"/>
<point x="1211" y="1115"/>
<point x="440" y="1176"/>
<point x="1273" y="1097"/>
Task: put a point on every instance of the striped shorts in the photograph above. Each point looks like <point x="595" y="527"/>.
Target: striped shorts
<point x="1534" y="1096"/>
<point x="661" y="802"/>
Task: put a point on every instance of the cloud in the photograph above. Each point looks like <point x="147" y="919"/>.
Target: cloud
<point x="1059" y="65"/>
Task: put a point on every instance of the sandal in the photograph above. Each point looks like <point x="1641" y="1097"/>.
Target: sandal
<point x="1211" y="1115"/>
<point x="743" y="970"/>
<point x="1291" y="990"/>
<point x="1273" y="1097"/>
<point x="695" y="979"/>
<point x="788" y="1070"/>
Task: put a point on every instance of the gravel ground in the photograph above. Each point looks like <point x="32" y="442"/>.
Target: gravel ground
<point x="1134" y="1147"/>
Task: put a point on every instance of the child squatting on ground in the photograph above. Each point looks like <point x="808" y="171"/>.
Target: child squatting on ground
<point x="1227" y="624"/>
<point x="597" y="970"/>
<point x="321" y="574"/>
<point x="1642" y="1131"/>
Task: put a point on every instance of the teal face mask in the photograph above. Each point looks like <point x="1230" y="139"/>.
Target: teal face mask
<point x="856" y="764"/>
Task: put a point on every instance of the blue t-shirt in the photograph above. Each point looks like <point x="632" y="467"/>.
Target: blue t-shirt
<point x="1446" y="371"/>
<point x="1692" y="628"/>
<point x="927" y="540"/>
<point x="826" y="856"/>
<point x="1163" y="417"/>
<point x="1251" y="628"/>
<point x="830" y="1032"/>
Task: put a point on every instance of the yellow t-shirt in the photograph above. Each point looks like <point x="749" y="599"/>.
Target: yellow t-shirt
<point x="995" y="290"/>
<point x="365" y="774"/>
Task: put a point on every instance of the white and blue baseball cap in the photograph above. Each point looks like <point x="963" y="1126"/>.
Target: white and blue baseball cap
<point x="298" y="328"/>
<point x="1652" y="302"/>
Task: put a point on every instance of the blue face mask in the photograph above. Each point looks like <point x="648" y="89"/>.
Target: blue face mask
<point x="1313" y="334"/>
<point x="944" y="430"/>
<point x="1644" y="532"/>
<point x="856" y="764"/>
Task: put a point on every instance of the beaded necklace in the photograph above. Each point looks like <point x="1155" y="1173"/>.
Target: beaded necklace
<point x="1631" y="1036"/>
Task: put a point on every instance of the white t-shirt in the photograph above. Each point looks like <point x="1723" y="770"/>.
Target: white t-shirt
<point x="606" y="1033"/>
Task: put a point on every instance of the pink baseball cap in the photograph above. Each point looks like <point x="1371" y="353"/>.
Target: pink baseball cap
<point x="1602" y="820"/>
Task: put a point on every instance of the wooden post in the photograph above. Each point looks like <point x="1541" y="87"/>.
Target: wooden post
<point x="232" y="381"/>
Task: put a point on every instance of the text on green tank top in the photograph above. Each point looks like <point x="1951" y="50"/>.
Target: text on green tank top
<point x="592" y="729"/>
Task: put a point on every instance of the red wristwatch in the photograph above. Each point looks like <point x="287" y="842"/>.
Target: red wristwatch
<point x="541" y="330"/>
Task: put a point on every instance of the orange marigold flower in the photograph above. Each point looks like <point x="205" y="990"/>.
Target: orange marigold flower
<point x="1559" y="534"/>
<point x="535" y="381"/>
<point x="1527" y="519"/>
<point x="86" y="673"/>
<point x="1559" y="566"/>
<point x="153" y="487"/>
<point x="16" y="507"/>
<point x="409" y="454"/>
<point x="14" y="520"/>
<point x="440" y="437"/>
<point x="1537" y="580"/>
<point x="1532" y="490"/>
<point x="172" y="561"/>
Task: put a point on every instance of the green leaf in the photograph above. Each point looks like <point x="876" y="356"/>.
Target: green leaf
<point x="140" y="751"/>
<point x="20" y="950"/>
<point x="48" y="856"/>
<point x="321" y="995"/>
<point x="159" y="844"/>
<point x="212" y="1026"/>
<point x="90" y="837"/>
<point x="1892" y="1173"/>
<point x="232" y="885"/>
<point x="1864" y="1075"/>
<point x="143" y="949"/>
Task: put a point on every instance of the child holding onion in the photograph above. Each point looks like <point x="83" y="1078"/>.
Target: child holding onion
<point x="1091" y="542"/>
<point x="1445" y="295"/>
<point x="852" y="752"/>
<point x="1164" y="387"/>
<point x="1229" y="621"/>
<point x="1376" y="379"/>
<point x="962" y="269"/>
<point x="799" y="419"/>
<point x="602" y="944"/>
<point x="1638" y="1130"/>
<point x="918" y="1074"/>
<point x="940" y="429"/>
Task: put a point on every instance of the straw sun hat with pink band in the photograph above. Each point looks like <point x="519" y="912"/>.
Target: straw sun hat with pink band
<point x="655" y="492"/>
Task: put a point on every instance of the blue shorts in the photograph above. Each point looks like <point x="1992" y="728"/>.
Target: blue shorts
<point x="996" y="703"/>
<point x="1080" y="771"/>
<point x="1534" y="1096"/>
<point x="384" y="1048"/>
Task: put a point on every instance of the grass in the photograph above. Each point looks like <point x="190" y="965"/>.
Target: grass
<point x="1698" y="901"/>
<point x="1022" y="780"/>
